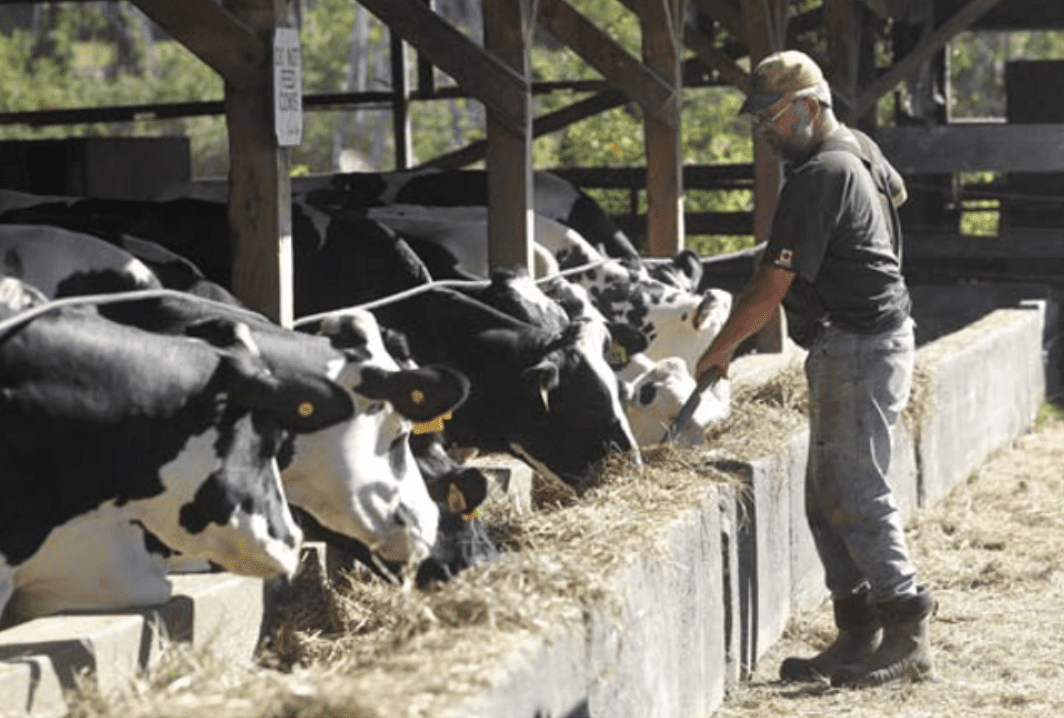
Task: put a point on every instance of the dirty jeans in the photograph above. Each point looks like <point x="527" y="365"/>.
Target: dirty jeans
<point x="858" y="387"/>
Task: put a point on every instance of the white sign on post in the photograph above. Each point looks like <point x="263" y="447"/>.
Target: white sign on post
<point x="287" y="87"/>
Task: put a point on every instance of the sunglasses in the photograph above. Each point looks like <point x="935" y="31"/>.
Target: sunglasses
<point x="760" y="120"/>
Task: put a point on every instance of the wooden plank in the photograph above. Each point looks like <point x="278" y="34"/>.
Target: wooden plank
<point x="1013" y="15"/>
<point x="598" y="49"/>
<point x="715" y="59"/>
<point x="842" y="26"/>
<point x="545" y="124"/>
<point x="764" y="36"/>
<point x="911" y="63"/>
<point x="212" y="34"/>
<point x="400" y="104"/>
<point x="508" y="29"/>
<point x="489" y="80"/>
<point x="661" y="22"/>
<point x="727" y="15"/>
<point x="964" y="147"/>
<point x="260" y="199"/>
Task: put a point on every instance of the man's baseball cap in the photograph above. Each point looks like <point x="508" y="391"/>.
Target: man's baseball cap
<point x="785" y="73"/>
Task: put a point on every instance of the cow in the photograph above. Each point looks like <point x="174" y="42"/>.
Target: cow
<point x="449" y="194"/>
<point x="338" y="261"/>
<point x="534" y="393"/>
<point x="107" y="424"/>
<point x="344" y="483"/>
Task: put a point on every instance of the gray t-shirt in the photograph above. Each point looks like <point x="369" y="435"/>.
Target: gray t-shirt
<point x="836" y="228"/>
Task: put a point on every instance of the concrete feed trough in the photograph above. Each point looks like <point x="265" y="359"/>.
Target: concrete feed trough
<point x="687" y="617"/>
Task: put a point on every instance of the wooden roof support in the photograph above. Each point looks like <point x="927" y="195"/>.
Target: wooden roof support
<point x="662" y="24"/>
<point x="766" y="30"/>
<point x="508" y="27"/>
<point x="842" y="22"/>
<point x="220" y="39"/>
<point x="501" y="89"/>
<point x="729" y="17"/>
<point x="652" y="91"/>
<point x="260" y="196"/>
<point x="931" y="44"/>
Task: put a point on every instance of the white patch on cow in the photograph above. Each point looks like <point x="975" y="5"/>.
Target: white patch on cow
<point x="657" y="395"/>
<point x="345" y="475"/>
<point x="243" y="545"/>
<point x="95" y="561"/>
<point x="554" y="196"/>
<point x="45" y="256"/>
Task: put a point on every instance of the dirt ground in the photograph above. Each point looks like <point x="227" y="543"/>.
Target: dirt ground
<point x="993" y="555"/>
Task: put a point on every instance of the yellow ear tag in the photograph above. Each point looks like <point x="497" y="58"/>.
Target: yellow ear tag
<point x="417" y="396"/>
<point x="617" y="355"/>
<point x="305" y="409"/>
<point x="431" y="427"/>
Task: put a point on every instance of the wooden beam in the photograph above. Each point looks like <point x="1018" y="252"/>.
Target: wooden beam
<point x="715" y="59"/>
<point x="508" y="29"/>
<point x="911" y="62"/>
<point x="653" y="93"/>
<point x="729" y="17"/>
<point x="763" y="38"/>
<point x="1013" y="15"/>
<point x="662" y="22"/>
<point x="842" y="24"/>
<point x="404" y="148"/>
<point x="542" y="125"/>
<point x="964" y="147"/>
<point x="489" y="80"/>
<point x="260" y="197"/>
<point x="211" y="33"/>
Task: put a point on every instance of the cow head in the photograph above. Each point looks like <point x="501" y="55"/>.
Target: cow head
<point x="656" y="396"/>
<point x="571" y="405"/>
<point x="383" y="502"/>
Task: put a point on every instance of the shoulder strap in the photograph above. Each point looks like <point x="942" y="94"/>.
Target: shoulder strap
<point x="859" y="145"/>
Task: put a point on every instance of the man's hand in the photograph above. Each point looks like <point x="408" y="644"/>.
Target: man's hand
<point x="758" y="301"/>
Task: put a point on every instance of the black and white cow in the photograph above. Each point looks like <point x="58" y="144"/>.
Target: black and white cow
<point x="108" y="425"/>
<point x="535" y="394"/>
<point x="338" y="261"/>
<point x="454" y="196"/>
<point x="356" y="478"/>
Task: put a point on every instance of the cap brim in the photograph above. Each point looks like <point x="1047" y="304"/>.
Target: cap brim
<point x="758" y="101"/>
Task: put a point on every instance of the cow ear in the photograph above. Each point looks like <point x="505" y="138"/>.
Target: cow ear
<point x="300" y="402"/>
<point x="419" y="394"/>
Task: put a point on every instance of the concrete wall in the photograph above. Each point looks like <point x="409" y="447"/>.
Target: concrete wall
<point x="741" y="562"/>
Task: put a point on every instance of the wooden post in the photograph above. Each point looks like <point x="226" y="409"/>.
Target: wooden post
<point x="260" y="200"/>
<point x="404" y="150"/>
<point x="508" y="29"/>
<point x="766" y="29"/>
<point x="662" y="25"/>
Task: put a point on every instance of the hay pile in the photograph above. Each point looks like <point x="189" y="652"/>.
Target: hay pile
<point x="993" y="555"/>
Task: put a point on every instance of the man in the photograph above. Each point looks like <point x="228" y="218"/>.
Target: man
<point x="833" y="259"/>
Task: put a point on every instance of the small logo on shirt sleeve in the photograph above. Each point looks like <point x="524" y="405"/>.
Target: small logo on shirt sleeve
<point x="785" y="258"/>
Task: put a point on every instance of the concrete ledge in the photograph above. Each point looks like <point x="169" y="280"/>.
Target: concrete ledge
<point x="40" y="659"/>
<point x="985" y="385"/>
<point x="664" y="656"/>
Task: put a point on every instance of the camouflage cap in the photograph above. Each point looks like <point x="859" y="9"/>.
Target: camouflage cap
<point x="785" y="73"/>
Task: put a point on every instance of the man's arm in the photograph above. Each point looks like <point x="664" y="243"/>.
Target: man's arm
<point x="755" y="306"/>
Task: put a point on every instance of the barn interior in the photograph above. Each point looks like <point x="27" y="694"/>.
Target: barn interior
<point x="888" y="65"/>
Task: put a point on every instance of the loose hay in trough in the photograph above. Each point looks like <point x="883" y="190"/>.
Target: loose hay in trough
<point x="410" y="649"/>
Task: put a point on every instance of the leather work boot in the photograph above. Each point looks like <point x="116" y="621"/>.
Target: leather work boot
<point x="858" y="638"/>
<point x="905" y="652"/>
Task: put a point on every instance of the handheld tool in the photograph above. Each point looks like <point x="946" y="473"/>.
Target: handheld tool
<point x="705" y="382"/>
